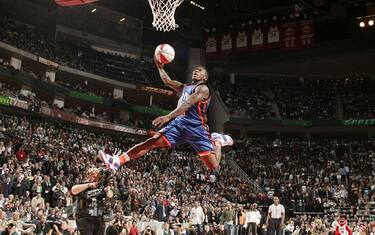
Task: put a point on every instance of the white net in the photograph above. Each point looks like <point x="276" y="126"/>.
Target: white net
<point x="163" y="12"/>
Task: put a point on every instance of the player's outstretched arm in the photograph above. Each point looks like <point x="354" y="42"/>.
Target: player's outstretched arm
<point x="175" y="85"/>
<point x="201" y="93"/>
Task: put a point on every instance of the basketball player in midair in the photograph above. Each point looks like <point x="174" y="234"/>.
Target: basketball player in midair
<point x="185" y="124"/>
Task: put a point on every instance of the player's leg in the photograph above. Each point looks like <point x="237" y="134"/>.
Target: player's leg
<point x="208" y="147"/>
<point x="115" y="161"/>
<point x="157" y="141"/>
<point x="219" y="141"/>
<point x="171" y="135"/>
<point x="212" y="159"/>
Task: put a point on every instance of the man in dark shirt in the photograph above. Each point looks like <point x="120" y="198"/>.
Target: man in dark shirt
<point x="42" y="227"/>
<point x="91" y="209"/>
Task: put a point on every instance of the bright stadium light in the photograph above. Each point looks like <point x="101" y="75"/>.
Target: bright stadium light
<point x="122" y="19"/>
<point x="93" y="10"/>
<point x="370" y="22"/>
<point x="197" y="5"/>
<point x="362" y="24"/>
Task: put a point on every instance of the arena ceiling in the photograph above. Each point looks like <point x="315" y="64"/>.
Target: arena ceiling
<point x="227" y="12"/>
<point x="224" y="8"/>
<point x="213" y="8"/>
<point x="221" y="10"/>
<point x="224" y="11"/>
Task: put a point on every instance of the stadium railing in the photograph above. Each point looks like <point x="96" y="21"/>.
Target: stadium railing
<point x="241" y="173"/>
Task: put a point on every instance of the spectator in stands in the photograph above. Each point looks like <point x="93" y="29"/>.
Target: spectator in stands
<point x="289" y="228"/>
<point x="21" y="226"/>
<point x="42" y="227"/>
<point x="7" y="186"/>
<point x="228" y="217"/>
<point x="148" y="231"/>
<point x="252" y="221"/>
<point x="134" y="229"/>
<point x="167" y="230"/>
<point x="37" y="201"/>
<point x="197" y="217"/>
<point x="242" y="225"/>
<point x="10" y="229"/>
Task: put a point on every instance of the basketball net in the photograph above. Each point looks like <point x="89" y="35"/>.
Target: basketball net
<point x="163" y="12"/>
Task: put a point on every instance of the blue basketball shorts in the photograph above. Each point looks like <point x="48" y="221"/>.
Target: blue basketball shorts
<point x="180" y="131"/>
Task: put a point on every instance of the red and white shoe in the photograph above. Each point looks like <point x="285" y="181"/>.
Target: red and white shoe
<point x="224" y="140"/>
<point x="111" y="161"/>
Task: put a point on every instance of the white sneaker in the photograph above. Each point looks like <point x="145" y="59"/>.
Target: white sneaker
<point x="224" y="140"/>
<point x="112" y="162"/>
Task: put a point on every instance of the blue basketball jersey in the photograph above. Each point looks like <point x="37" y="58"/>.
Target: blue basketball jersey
<point x="197" y="114"/>
<point x="191" y="126"/>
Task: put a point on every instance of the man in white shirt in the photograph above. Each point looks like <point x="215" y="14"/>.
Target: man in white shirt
<point x="252" y="220"/>
<point x="197" y="217"/>
<point x="275" y="218"/>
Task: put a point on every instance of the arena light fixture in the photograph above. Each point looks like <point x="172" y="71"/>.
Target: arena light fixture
<point x="93" y="10"/>
<point x="364" y="21"/>
<point x="122" y="20"/>
<point x="197" y="5"/>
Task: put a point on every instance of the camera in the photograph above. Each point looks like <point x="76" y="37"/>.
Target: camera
<point x="54" y="222"/>
<point x="98" y="193"/>
<point x="106" y="177"/>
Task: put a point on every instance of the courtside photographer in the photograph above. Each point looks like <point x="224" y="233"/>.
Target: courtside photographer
<point x="93" y="198"/>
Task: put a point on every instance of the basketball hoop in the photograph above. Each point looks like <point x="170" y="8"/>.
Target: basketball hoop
<point x="163" y="12"/>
